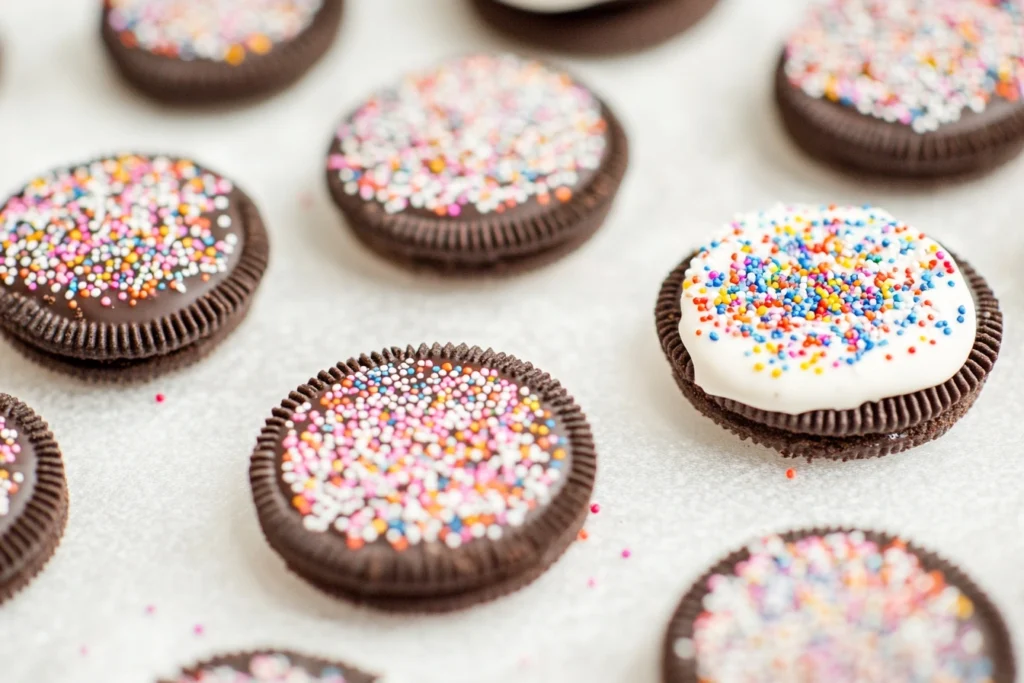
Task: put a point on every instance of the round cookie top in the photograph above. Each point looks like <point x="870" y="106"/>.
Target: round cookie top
<point x="225" y="31"/>
<point x="270" y="667"/>
<point x="838" y="606"/>
<point x="479" y="135"/>
<point x="122" y="239"/>
<point x="921" y="63"/>
<point x="17" y="470"/>
<point x="804" y="308"/>
<point x="422" y="451"/>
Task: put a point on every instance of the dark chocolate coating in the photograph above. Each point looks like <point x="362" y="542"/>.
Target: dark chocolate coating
<point x="428" y="576"/>
<point x="240" y="661"/>
<point x="203" y="81"/>
<point x="608" y="28"/>
<point x="842" y="136"/>
<point x="986" y="615"/>
<point x="873" y="429"/>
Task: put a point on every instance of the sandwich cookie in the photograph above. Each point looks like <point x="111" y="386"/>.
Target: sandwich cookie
<point x="906" y="87"/>
<point x="835" y="332"/>
<point x="204" y="51"/>
<point x="593" y="26"/>
<point x="424" y="479"/>
<point x="487" y="163"/>
<point x="33" y="496"/>
<point x="836" y="605"/>
<point x="270" y="666"/>
<point x="127" y="267"/>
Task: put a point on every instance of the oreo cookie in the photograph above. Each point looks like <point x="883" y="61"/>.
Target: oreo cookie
<point x="204" y="51"/>
<point x="270" y="666"/>
<point x="33" y="496"/>
<point x="828" y="332"/>
<point x="127" y="267"/>
<point x="593" y="26"/>
<point x="906" y="88"/>
<point x="424" y="479"/>
<point x="487" y="163"/>
<point x="836" y="605"/>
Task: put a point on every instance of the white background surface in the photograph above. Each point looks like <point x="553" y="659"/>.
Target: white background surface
<point x="160" y="507"/>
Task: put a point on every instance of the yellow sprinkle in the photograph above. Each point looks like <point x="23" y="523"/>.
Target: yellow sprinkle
<point x="758" y="367"/>
<point x="776" y="373"/>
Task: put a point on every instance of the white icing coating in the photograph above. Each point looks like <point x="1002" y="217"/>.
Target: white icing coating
<point x="553" y="6"/>
<point x="781" y="341"/>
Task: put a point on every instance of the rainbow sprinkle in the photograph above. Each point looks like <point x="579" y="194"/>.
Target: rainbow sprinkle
<point x="921" y="63"/>
<point x="421" y="451"/>
<point x="486" y="132"/>
<point x="10" y="482"/>
<point x="268" y="668"/>
<point x="215" y="30"/>
<point x="122" y="229"/>
<point x="837" y="607"/>
<point x="808" y="289"/>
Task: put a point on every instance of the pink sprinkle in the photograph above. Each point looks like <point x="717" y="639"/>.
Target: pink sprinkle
<point x="160" y="398"/>
<point x="150" y="609"/>
<point x="626" y="554"/>
<point x="83" y="650"/>
<point x="591" y="582"/>
<point x="198" y="629"/>
<point x="595" y="508"/>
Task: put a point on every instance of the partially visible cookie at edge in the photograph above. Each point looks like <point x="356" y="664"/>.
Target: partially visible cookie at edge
<point x="33" y="496"/>
<point x="270" y="666"/>
<point x="836" y="605"/>
<point x="903" y="88"/>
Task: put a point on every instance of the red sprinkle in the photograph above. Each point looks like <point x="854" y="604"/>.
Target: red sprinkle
<point x="790" y="473"/>
<point x="160" y="398"/>
<point x="595" y="508"/>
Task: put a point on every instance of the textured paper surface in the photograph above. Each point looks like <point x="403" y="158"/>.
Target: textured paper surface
<point x="160" y="507"/>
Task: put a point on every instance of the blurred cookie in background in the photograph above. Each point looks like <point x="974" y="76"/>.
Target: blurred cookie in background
<point x="206" y="51"/>
<point x="593" y="26"/>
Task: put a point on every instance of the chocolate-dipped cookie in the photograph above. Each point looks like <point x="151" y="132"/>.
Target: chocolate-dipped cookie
<point x="593" y="26"/>
<point x="424" y="479"/>
<point x="270" y="666"/>
<point x="906" y="87"/>
<point x="836" y="605"/>
<point x="833" y="332"/>
<point x="33" y="496"/>
<point x="487" y="163"/>
<point x="204" y="51"/>
<point x="127" y="267"/>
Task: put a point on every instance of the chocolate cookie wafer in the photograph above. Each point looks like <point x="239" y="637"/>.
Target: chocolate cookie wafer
<point x="424" y="479"/>
<point x="33" y="496"/>
<point x="203" y="51"/>
<point x="831" y="332"/>
<point x="127" y="267"/>
<point x="906" y="87"/>
<point x="593" y="26"/>
<point x="488" y="163"/>
<point x="270" y="666"/>
<point x="836" y="605"/>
